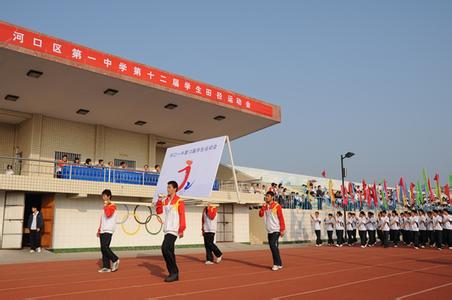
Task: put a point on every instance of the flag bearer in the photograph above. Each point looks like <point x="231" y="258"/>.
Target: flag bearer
<point x="209" y="228"/>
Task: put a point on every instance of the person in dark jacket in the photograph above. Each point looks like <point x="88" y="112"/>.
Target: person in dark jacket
<point x="35" y="225"/>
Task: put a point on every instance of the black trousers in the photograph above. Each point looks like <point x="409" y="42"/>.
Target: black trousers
<point x="362" y="237"/>
<point x="35" y="239"/>
<point x="354" y="236"/>
<point x="391" y="235"/>
<point x="409" y="236"/>
<point x="169" y="255"/>
<point x="384" y="238"/>
<point x="415" y="235"/>
<point x="273" y="242"/>
<point x="422" y="237"/>
<point x="372" y="239"/>
<point x="438" y="238"/>
<point x="448" y="237"/>
<point x="107" y="254"/>
<point x="211" y="248"/>
<point x="318" y="240"/>
<point x="350" y="237"/>
<point x="396" y="237"/>
<point x="340" y="236"/>
<point x="330" y="237"/>
<point x="431" y="237"/>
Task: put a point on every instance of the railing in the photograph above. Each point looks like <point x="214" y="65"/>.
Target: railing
<point x="68" y="171"/>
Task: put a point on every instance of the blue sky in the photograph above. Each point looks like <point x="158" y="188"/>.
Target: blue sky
<point x="372" y="77"/>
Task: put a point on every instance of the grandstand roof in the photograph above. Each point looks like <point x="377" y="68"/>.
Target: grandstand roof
<point x="57" y="78"/>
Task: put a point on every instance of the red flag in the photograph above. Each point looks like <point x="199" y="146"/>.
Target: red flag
<point x="432" y="197"/>
<point x="412" y="186"/>
<point x="351" y="193"/>
<point x="369" y="199"/>
<point x="344" y="195"/>
<point x="364" y="185"/>
<point x="447" y="192"/>
<point x="360" y="194"/>
<point x="374" y="190"/>
<point x="323" y="173"/>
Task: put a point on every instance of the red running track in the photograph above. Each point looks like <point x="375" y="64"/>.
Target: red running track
<point x="309" y="273"/>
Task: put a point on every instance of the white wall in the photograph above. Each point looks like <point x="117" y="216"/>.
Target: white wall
<point x="241" y="223"/>
<point x="76" y="222"/>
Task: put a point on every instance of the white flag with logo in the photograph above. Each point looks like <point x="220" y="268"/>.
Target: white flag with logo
<point x="193" y="166"/>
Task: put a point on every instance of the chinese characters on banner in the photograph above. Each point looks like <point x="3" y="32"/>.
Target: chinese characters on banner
<point x="74" y="53"/>
<point x="193" y="166"/>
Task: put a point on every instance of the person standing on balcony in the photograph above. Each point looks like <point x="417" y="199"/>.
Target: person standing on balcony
<point x="35" y="225"/>
<point x="156" y="169"/>
<point x="9" y="170"/>
<point x="105" y="232"/>
<point x="61" y="163"/>
<point x="209" y="228"/>
<point x="274" y="222"/>
<point x="173" y="227"/>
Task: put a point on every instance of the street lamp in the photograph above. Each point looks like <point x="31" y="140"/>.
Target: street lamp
<point x="346" y="155"/>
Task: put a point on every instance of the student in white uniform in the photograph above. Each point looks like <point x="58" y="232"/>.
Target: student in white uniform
<point x="408" y="229"/>
<point x="317" y="226"/>
<point x="422" y="229"/>
<point x="329" y="222"/>
<point x="354" y="222"/>
<point x="362" y="222"/>
<point x="349" y="228"/>
<point x="438" y="229"/>
<point x="414" y="222"/>
<point x="430" y="232"/>
<point x="209" y="228"/>
<point x="402" y="227"/>
<point x="273" y="216"/>
<point x="384" y="228"/>
<point x="447" y="229"/>
<point x="371" y="227"/>
<point x="339" y="229"/>
<point x="394" y="228"/>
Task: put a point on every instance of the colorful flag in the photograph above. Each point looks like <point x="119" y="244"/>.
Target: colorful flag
<point x="426" y="185"/>
<point x="403" y="189"/>
<point x="430" y="191"/>
<point x="324" y="173"/>
<point x="330" y="190"/>
<point x="344" y="195"/>
<point x="438" y="187"/>
<point x="418" y="194"/>
<point x="412" y="186"/>
<point x="385" y="194"/>
<point x="368" y="197"/>
<point x="397" y="193"/>
<point x="351" y="192"/>
<point x="447" y="192"/>
<point x="374" y="190"/>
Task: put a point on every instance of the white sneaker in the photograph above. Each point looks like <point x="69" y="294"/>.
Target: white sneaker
<point x="316" y="245"/>
<point x="275" y="268"/>
<point x="280" y="267"/>
<point x="115" y="266"/>
<point x="104" y="270"/>
<point x="32" y="251"/>
<point x="219" y="259"/>
<point x="209" y="263"/>
<point x="363" y="247"/>
<point x="38" y="250"/>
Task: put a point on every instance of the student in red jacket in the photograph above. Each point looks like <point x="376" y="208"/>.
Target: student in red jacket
<point x="274" y="222"/>
<point x="174" y="225"/>
<point x="209" y="228"/>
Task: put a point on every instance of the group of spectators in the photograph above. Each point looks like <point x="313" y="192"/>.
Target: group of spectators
<point x="100" y="164"/>
<point x="312" y="196"/>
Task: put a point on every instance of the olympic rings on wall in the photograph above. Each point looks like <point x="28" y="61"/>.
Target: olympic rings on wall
<point x="124" y="217"/>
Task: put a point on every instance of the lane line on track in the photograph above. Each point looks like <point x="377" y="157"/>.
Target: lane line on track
<point x="424" y="291"/>
<point x="353" y="283"/>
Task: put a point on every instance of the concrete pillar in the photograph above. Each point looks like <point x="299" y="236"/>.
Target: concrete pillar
<point x="99" y="150"/>
<point x="152" y="149"/>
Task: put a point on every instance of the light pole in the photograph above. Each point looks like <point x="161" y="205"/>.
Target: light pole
<point x="346" y="155"/>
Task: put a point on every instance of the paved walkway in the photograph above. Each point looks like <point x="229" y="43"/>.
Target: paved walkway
<point x="24" y="255"/>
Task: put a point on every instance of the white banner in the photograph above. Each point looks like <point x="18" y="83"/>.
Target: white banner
<point x="193" y="166"/>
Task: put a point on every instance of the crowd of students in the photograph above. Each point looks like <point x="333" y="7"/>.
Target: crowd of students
<point x="416" y="228"/>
